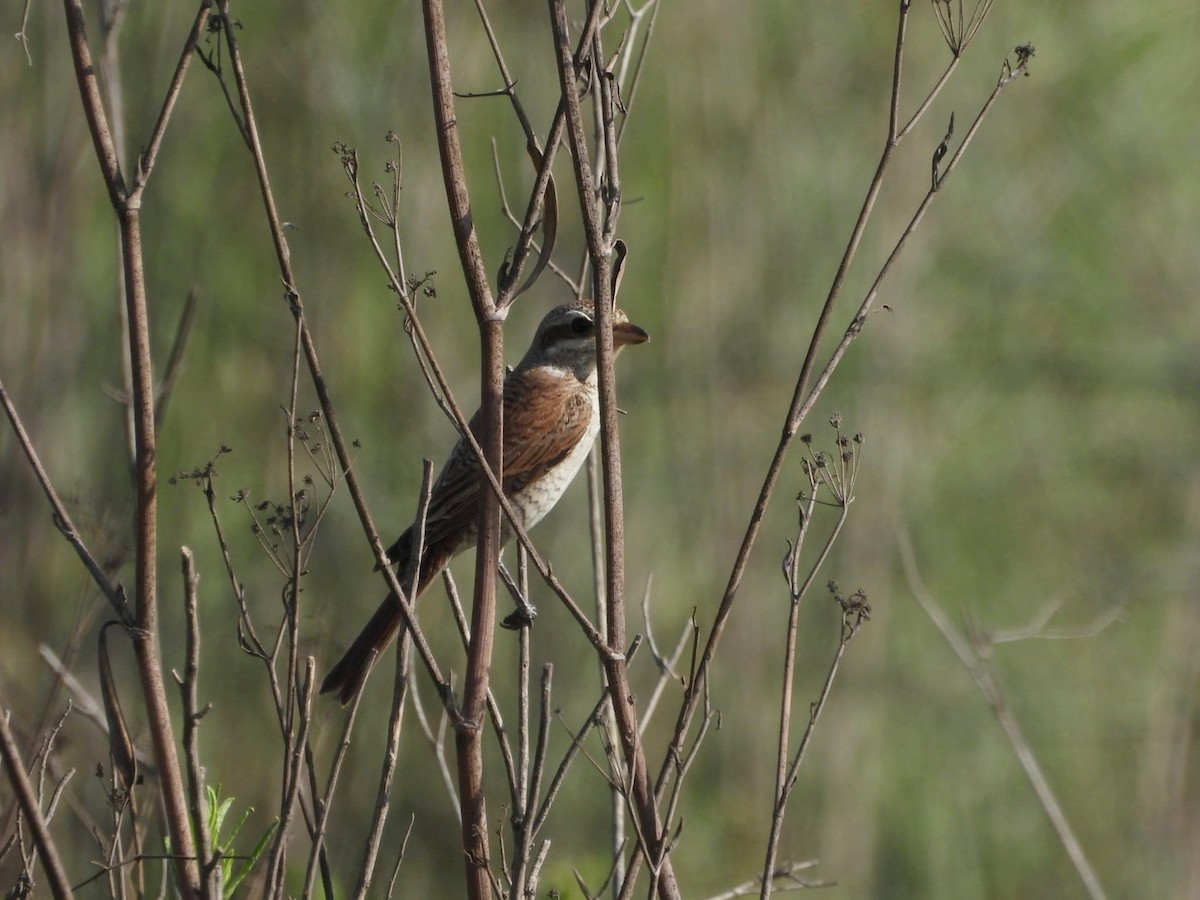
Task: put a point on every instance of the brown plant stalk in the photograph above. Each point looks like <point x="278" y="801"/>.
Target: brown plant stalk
<point x="210" y="871"/>
<point x="18" y="777"/>
<point x="126" y="203"/>
<point x="248" y="127"/>
<point x="600" y="242"/>
<point x="805" y="397"/>
<point x="469" y="727"/>
<point x="974" y="657"/>
<point x="400" y="689"/>
<point x="795" y="413"/>
<point x="444" y="397"/>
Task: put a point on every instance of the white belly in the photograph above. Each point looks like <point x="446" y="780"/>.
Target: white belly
<point x="537" y="499"/>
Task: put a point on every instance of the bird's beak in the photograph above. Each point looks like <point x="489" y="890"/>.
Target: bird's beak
<point x="627" y="333"/>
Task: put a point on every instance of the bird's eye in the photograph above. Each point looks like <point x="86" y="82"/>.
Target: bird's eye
<point x="581" y="325"/>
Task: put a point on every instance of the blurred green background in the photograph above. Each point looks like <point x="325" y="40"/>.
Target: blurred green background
<point x="1031" y="407"/>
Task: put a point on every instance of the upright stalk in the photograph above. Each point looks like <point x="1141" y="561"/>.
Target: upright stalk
<point x="600" y="243"/>
<point x="127" y="204"/>
<point x="469" y="729"/>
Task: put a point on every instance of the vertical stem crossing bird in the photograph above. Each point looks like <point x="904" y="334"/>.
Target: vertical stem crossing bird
<point x="551" y="419"/>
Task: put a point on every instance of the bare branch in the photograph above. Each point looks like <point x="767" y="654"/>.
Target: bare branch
<point x="115" y="593"/>
<point x="283" y="257"/>
<point x="805" y="397"/>
<point x="599" y="233"/>
<point x="150" y="156"/>
<point x="210" y="871"/>
<point x="126" y="207"/>
<point x="175" y="360"/>
<point x="400" y="687"/>
<point x="18" y="777"/>
<point x="984" y="675"/>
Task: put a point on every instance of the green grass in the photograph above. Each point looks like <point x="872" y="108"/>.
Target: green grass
<point x="1030" y="406"/>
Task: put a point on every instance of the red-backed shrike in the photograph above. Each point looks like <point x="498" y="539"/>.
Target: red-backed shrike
<point x="551" y="418"/>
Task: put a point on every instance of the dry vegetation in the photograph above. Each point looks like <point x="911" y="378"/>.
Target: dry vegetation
<point x="916" y="343"/>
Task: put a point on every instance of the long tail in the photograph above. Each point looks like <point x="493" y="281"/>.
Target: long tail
<point x="348" y="675"/>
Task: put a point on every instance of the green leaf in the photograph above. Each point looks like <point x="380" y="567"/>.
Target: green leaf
<point x="231" y="884"/>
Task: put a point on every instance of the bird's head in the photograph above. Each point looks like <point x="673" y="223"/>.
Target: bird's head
<point x="566" y="338"/>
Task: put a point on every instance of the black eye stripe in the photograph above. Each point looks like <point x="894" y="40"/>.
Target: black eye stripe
<point x="565" y="331"/>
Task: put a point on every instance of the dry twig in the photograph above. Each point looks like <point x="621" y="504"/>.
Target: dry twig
<point x="975" y="658"/>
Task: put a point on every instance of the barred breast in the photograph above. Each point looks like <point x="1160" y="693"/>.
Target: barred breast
<point x="578" y="422"/>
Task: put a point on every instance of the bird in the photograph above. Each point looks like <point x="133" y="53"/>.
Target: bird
<point x="551" y="419"/>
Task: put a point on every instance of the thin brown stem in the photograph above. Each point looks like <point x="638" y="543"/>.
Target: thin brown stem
<point x="454" y="173"/>
<point x="523" y="881"/>
<point x="437" y="745"/>
<point x="506" y="209"/>
<point x="115" y="593"/>
<point x="982" y="672"/>
<point x="444" y="396"/>
<point x="791" y="561"/>
<point x="785" y="777"/>
<point x="283" y="256"/>
<point x="796" y="411"/>
<point x="145" y="637"/>
<point x="616" y="802"/>
<point x="323" y="803"/>
<point x="519" y="783"/>
<point x="928" y="101"/>
<point x="509" y="89"/>
<point x="294" y="566"/>
<point x="666" y="670"/>
<point x="400" y="688"/>
<point x="18" y="777"/>
<point x="805" y="397"/>
<point x="175" y="358"/>
<point x="210" y="872"/>
<point x="629" y="83"/>
<point x="543" y="184"/>
<point x="22" y="36"/>
<point x="600" y="244"/>
<point x="573" y="750"/>
<point x="150" y="155"/>
<point x="93" y="105"/>
<point x="469" y="727"/>
<point x="293" y="767"/>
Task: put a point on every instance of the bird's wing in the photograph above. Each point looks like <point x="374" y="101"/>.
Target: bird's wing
<point x="545" y="416"/>
<point x="543" y="421"/>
